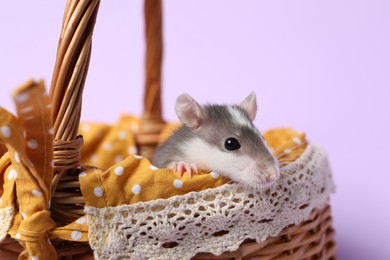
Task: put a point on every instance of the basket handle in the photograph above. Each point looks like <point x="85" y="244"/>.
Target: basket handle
<point x="71" y="67"/>
<point x="153" y="59"/>
<point x="70" y="72"/>
<point x="151" y="122"/>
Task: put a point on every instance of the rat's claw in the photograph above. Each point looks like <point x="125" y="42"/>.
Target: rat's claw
<point x="194" y="168"/>
<point x="176" y="167"/>
<point x="181" y="167"/>
<point x="188" y="169"/>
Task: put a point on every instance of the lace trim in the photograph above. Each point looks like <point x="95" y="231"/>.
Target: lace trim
<point x="213" y="220"/>
<point x="6" y="217"/>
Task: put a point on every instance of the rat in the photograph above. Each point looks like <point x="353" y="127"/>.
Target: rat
<point x="221" y="139"/>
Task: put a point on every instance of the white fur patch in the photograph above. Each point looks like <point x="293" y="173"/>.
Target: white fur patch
<point x="240" y="168"/>
<point x="238" y="117"/>
<point x="209" y="157"/>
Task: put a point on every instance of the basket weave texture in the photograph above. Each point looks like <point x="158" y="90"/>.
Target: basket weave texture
<point x="310" y="239"/>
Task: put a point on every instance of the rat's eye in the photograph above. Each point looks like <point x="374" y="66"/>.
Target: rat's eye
<point x="232" y="144"/>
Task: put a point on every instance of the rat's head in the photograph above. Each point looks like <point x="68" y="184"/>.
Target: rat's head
<point x="226" y="141"/>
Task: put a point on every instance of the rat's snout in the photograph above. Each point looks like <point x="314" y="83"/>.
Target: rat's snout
<point x="261" y="174"/>
<point x="272" y="174"/>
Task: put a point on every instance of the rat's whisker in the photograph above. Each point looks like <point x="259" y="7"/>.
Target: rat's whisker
<point x="284" y="164"/>
<point x="290" y="149"/>
<point x="285" y="160"/>
<point x="230" y="182"/>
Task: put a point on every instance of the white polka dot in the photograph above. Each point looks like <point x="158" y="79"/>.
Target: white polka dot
<point x="36" y="193"/>
<point x="136" y="189"/>
<point x="94" y="158"/>
<point x="34" y="258"/>
<point x="119" y="170"/>
<point x="297" y="140"/>
<point x="81" y="220"/>
<point x="76" y="235"/>
<point x="17" y="236"/>
<point x="12" y="174"/>
<point x="107" y="146"/>
<point x="287" y="151"/>
<point x="27" y="109"/>
<point x="152" y="167"/>
<point x="48" y="106"/>
<point x="82" y="174"/>
<point x="17" y="158"/>
<point x="24" y="216"/>
<point x="51" y="131"/>
<point x="133" y="150"/>
<point x="5" y="131"/>
<point x="138" y="156"/>
<point x="122" y="135"/>
<point x="21" y="98"/>
<point x="214" y="175"/>
<point x="52" y="164"/>
<point x="85" y="128"/>
<point x="98" y="192"/>
<point x="32" y="144"/>
<point x="177" y="183"/>
<point x="118" y="158"/>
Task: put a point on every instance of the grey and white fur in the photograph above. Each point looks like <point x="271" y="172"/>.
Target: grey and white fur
<point x="201" y="142"/>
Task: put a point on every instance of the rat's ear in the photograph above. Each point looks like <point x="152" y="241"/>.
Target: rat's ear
<point x="250" y="105"/>
<point x="189" y="111"/>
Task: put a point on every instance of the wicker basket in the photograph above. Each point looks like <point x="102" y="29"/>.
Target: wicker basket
<point x="311" y="239"/>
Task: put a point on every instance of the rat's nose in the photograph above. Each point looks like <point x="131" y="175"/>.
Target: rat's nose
<point x="272" y="173"/>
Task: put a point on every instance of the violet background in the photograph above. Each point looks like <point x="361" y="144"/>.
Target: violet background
<point x="319" y="66"/>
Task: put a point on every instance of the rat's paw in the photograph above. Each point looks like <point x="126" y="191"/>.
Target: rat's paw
<point x="182" y="167"/>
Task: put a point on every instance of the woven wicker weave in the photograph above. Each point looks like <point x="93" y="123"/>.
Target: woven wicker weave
<point x="312" y="239"/>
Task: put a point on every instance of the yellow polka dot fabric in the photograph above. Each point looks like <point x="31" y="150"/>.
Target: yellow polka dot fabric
<point x="26" y="173"/>
<point x="106" y="145"/>
<point x="112" y="173"/>
<point x="286" y="144"/>
<point x="135" y="179"/>
<point x="28" y="168"/>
